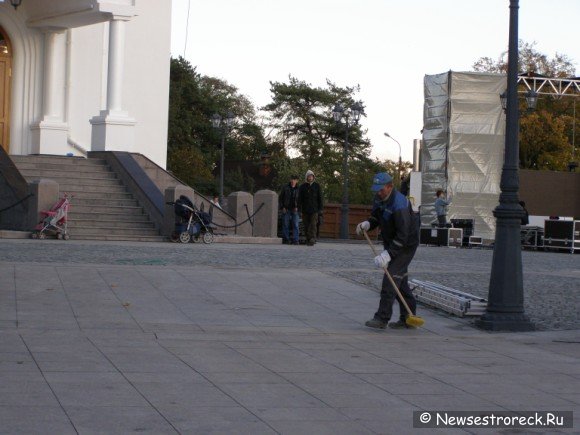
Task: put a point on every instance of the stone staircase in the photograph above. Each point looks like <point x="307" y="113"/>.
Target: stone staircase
<point x="101" y="206"/>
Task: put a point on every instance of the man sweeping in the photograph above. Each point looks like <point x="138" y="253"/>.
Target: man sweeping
<point x="393" y="213"/>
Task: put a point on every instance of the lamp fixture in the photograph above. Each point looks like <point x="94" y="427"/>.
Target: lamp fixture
<point x="531" y="100"/>
<point x="15" y="3"/>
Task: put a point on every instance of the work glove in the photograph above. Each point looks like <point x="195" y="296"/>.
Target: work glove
<point x="382" y="260"/>
<point x="363" y="226"/>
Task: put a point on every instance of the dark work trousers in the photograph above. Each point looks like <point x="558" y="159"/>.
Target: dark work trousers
<point x="442" y="220"/>
<point x="398" y="268"/>
<point x="310" y="221"/>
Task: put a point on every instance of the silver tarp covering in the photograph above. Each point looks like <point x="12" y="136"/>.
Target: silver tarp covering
<point x="463" y="146"/>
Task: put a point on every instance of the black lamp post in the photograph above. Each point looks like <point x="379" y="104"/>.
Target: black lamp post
<point x="505" y="309"/>
<point x="338" y="113"/>
<point x="225" y="127"/>
<point x="15" y="3"/>
<point x="400" y="161"/>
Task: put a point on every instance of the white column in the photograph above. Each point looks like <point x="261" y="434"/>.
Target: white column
<point x="49" y="135"/>
<point x="113" y="129"/>
<point x="116" y="64"/>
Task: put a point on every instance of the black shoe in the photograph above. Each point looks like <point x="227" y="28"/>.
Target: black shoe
<point x="285" y="242"/>
<point x="400" y="324"/>
<point x="295" y="242"/>
<point x="376" y="323"/>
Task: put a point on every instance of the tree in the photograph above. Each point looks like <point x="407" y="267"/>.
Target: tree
<point x="545" y="135"/>
<point x="300" y="117"/>
<point x="530" y="60"/>
<point x="193" y="144"/>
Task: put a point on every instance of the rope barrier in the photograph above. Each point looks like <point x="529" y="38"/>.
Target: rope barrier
<point x="241" y="223"/>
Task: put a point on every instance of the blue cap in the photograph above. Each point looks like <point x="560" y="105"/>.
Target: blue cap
<point x="379" y="181"/>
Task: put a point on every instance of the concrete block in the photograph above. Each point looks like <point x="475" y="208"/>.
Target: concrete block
<point x="171" y="195"/>
<point x="46" y="194"/>
<point x="266" y="220"/>
<point x="241" y="206"/>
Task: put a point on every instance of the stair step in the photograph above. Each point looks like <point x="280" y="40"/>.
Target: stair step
<point x="122" y="238"/>
<point x="104" y="201"/>
<point x="109" y="209"/>
<point x="74" y="188"/>
<point x="92" y="166"/>
<point x="66" y="173"/>
<point x="111" y="231"/>
<point x="101" y="218"/>
<point x="59" y="160"/>
<point x="79" y="182"/>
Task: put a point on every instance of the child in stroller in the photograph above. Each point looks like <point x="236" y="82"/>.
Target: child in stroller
<point x="191" y="224"/>
<point x="54" y="220"/>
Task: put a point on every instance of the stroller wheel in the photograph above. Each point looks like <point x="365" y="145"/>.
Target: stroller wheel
<point x="65" y="236"/>
<point x="208" y="238"/>
<point x="58" y="236"/>
<point x="184" y="237"/>
<point x="41" y="235"/>
<point x="34" y="235"/>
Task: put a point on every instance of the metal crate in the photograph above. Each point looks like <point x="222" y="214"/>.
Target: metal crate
<point x="562" y="235"/>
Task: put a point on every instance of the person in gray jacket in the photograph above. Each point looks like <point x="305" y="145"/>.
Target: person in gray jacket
<point x="310" y="205"/>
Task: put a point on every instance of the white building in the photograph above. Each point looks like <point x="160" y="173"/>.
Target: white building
<point x="85" y="75"/>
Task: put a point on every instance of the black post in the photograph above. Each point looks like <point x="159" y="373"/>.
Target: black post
<point x="222" y="168"/>
<point x="345" y="206"/>
<point x="505" y="309"/>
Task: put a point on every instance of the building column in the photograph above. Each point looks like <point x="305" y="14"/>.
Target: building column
<point x="113" y="129"/>
<point x="49" y="135"/>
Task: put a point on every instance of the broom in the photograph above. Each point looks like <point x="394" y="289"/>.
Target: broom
<point x="411" y="319"/>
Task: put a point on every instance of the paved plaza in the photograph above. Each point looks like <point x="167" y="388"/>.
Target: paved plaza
<point x="105" y="337"/>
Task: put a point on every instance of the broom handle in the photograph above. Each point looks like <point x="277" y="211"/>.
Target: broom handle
<point x="390" y="277"/>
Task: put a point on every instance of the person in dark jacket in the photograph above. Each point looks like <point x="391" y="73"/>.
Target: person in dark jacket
<point x="310" y="205"/>
<point x="288" y="202"/>
<point x="399" y="229"/>
<point x="526" y="216"/>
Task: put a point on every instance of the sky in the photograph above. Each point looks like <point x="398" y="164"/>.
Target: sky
<point x="384" y="46"/>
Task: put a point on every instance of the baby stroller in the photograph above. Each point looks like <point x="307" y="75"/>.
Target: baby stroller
<point x="54" y="220"/>
<point x="190" y="223"/>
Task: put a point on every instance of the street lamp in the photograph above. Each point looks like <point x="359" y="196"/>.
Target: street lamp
<point x="338" y="113"/>
<point x="15" y="3"/>
<point x="400" y="161"/>
<point x="505" y="309"/>
<point x="531" y="100"/>
<point x="224" y="125"/>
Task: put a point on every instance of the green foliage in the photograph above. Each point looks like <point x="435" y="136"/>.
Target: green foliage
<point x="545" y="135"/>
<point x="530" y="60"/>
<point x="300" y="116"/>
<point x="236" y="180"/>
<point x="188" y="164"/>
<point x="546" y="142"/>
<point x="193" y="99"/>
<point x="303" y="135"/>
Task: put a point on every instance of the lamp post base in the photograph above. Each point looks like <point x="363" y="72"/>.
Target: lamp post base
<point x="516" y="322"/>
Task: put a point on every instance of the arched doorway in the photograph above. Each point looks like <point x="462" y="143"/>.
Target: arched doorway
<point x="5" y="78"/>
